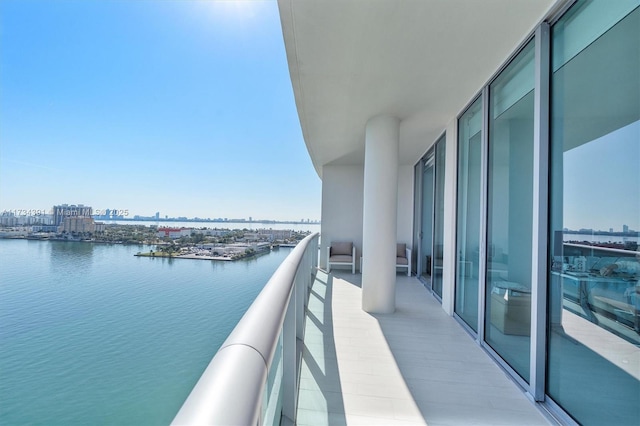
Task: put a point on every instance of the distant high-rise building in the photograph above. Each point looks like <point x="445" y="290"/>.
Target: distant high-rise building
<point x="8" y="219"/>
<point x="65" y="210"/>
<point x="625" y="228"/>
<point x="157" y="215"/>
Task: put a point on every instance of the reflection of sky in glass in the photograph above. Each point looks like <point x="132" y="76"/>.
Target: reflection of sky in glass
<point x="602" y="182"/>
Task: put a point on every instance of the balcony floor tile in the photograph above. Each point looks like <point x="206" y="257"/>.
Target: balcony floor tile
<point x="416" y="366"/>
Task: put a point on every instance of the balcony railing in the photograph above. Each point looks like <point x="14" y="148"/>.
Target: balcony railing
<point x="253" y="378"/>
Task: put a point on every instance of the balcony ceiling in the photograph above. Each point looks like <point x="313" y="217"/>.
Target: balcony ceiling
<point x="419" y="60"/>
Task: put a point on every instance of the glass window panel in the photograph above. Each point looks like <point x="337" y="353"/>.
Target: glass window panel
<point x="468" y="220"/>
<point x="582" y="25"/>
<point x="514" y="83"/>
<point x="416" y="250"/>
<point x="593" y="371"/>
<point x="438" y="222"/>
<point x="509" y="212"/>
<point x="427" y="218"/>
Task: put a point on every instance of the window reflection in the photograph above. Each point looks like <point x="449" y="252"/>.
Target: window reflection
<point x="596" y="255"/>
<point x="594" y="336"/>
<point x="509" y="214"/>
<point x="468" y="220"/>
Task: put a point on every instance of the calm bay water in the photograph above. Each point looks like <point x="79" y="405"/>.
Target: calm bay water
<point x="90" y="334"/>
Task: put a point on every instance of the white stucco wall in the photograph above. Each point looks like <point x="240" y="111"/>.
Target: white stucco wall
<point x="342" y="190"/>
<point x="342" y="197"/>
<point x="405" y="204"/>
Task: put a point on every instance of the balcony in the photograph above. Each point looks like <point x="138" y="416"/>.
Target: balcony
<point x="415" y="366"/>
<point x="332" y="363"/>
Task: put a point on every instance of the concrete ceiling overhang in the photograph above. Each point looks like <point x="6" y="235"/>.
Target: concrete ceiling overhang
<point x="419" y="60"/>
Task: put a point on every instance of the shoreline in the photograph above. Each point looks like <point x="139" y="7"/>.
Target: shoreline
<point x="185" y="256"/>
<point x="194" y="256"/>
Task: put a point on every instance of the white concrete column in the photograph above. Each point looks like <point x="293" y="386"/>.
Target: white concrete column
<point x="379" y="216"/>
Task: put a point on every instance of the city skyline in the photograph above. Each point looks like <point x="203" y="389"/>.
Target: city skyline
<point x="87" y="210"/>
<point x="108" y="214"/>
<point x="183" y="107"/>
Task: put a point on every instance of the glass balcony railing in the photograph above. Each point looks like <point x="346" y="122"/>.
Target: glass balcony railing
<point x="601" y="284"/>
<point x="253" y="378"/>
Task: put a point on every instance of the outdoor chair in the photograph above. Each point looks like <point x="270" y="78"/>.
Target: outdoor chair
<point x="403" y="257"/>
<point x="341" y="254"/>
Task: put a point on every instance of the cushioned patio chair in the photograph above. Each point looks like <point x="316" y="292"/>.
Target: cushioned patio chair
<point x="403" y="257"/>
<point x="341" y="254"/>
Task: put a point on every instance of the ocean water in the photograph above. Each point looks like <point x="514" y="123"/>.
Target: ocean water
<point x="92" y="335"/>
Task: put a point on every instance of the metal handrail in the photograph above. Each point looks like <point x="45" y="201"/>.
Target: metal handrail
<point x="231" y="389"/>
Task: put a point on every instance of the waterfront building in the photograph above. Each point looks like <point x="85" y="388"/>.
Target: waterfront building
<point x="15" y="231"/>
<point x="215" y="249"/>
<point x="212" y="232"/>
<point x="276" y="234"/>
<point x="65" y="210"/>
<point x="174" y="233"/>
<point x="268" y="235"/>
<point x="240" y="248"/>
<point x="476" y="132"/>
<point x="254" y="236"/>
<point x="8" y="219"/>
<point x="46" y="219"/>
<point x="45" y="228"/>
<point x="78" y="225"/>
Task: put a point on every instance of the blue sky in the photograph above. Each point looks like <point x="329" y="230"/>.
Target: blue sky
<point x="182" y="107"/>
<point x="597" y="200"/>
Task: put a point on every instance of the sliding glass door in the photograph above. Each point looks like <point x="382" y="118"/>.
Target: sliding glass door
<point x="426" y="234"/>
<point x="593" y="369"/>
<point x="438" y="219"/>
<point x="431" y="206"/>
<point x="469" y="214"/>
<point x="547" y="229"/>
<point x="494" y="223"/>
<point x="510" y="212"/>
